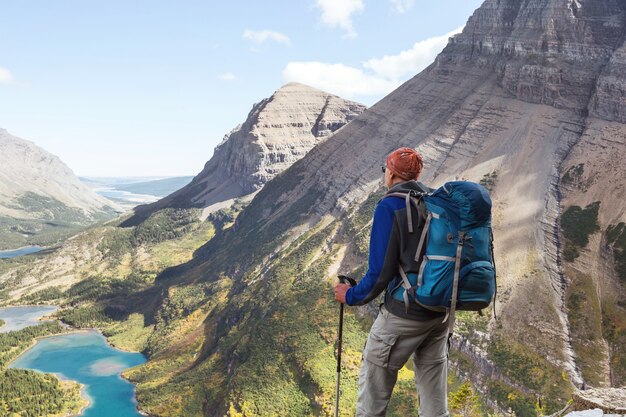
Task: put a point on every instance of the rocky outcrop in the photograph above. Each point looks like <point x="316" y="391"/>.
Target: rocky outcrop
<point x="609" y="400"/>
<point x="278" y="131"/>
<point x="549" y="52"/>
<point x="609" y="99"/>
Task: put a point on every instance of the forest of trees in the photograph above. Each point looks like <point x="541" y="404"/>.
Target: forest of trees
<point x="27" y="393"/>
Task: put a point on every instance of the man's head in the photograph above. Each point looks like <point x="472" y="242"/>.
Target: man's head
<point x="403" y="164"/>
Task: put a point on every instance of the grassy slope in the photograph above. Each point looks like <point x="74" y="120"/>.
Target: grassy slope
<point x="261" y="344"/>
<point x="269" y="351"/>
<point x="51" y="223"/>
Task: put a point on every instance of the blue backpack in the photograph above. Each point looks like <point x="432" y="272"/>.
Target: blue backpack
<point x="457" y="270"/>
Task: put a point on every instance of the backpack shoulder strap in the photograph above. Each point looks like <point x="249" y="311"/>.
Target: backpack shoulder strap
<point x="411" y="197"/>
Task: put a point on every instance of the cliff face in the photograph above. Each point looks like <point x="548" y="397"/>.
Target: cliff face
<point x="278" y="131"/>
<point x="552" y="52"/>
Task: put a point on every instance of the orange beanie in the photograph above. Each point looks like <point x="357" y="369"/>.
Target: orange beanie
<point x="406" y="163"/>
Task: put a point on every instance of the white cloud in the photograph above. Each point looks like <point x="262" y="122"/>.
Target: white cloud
<point x="338" y="13"/>
<point x="339" y="79"/>
<point x="227" y="76"/>
<point x="410" y="61"/>
<point x="260" y="36"/>
<point x="376" y="78"/>
<point x="6" y="77"/>
<point x="401" y="6"/>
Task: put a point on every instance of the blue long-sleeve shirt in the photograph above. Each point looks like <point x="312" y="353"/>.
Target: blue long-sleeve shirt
<point x="383" y="254"/>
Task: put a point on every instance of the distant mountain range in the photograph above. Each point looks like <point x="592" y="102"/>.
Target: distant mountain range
<point x="41" y="200"/>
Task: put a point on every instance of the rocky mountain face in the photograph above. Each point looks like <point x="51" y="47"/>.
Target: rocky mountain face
<point x="529" y="90"/>
<point x="278" y="131"/>
<point x="39" y="192"/>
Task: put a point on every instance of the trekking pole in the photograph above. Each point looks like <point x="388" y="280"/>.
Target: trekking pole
<point x="352" y="282"/>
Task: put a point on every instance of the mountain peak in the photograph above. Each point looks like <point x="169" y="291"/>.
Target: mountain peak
<point x="299" y="87"/>
<point x="278" y="131"/>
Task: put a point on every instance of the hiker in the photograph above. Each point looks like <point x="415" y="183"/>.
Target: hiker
<point x="399" y="331"/>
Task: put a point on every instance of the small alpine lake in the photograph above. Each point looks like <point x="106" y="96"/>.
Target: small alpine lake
<point x="86" y="357"/>
<point x="83" y="356"/>
<point x="14" y="253"/>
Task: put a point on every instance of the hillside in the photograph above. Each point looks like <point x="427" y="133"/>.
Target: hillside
<point x="41" y="200"/>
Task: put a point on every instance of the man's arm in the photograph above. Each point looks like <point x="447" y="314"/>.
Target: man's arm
<point x="383" y="256"/>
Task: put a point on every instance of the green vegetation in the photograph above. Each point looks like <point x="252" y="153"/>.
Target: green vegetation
<point x="165" y="225"/>
<point x="131" y="334"/>
<point x="1" y="322"/>
<point x="54" y="222"/>
<point x="577" y="224"/>
<point x="585" y="318"/>
<point x="489" y="180"/>
<point x="27" y="393"/>
<point x="503" y="394"/>
<point x="13" y="343"/>
<point x="529" y="370"/>
<point x="574" y="174"/>
<point x="614" y="331"/>
<point x="98" y="288"/>
<point x="359" y="224"/>
<point x="224" y="218"/>
<point x="616" y="237"/>
<point x="464" y="402"/>
<point x="116" y="243"/>
<point x="46" y="294"/>
<point x="86" y="316"/>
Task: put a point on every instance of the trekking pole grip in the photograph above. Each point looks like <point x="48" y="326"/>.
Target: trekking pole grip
<point x="344" y="279"/>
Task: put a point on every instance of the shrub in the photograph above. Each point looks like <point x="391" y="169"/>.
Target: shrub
<point x="577" y="224"/>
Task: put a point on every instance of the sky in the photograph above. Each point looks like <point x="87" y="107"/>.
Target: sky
<point x="149" y="87"/>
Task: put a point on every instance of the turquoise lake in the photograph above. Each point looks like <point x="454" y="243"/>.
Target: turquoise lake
<point x="85" y="357"/>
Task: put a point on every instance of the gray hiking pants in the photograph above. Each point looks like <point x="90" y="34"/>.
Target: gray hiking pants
<point x="392" y="340"/>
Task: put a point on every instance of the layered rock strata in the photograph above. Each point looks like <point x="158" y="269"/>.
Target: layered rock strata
<point x="278" y="131"/>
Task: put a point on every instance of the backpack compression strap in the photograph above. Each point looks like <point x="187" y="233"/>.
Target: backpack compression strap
<point x="455" y="285"/>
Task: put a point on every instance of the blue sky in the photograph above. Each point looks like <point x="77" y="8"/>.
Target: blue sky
<point x="139" y="88"/>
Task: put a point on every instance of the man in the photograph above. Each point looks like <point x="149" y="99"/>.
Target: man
<point x="398" y="332"/>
